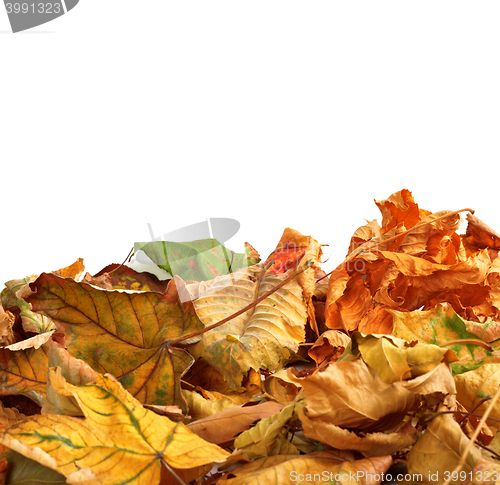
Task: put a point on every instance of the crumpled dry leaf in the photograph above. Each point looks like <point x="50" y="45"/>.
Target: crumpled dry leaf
<point x="7" y="320"/>
<point x="212" y="386"/>
<point x="399" y="210"/>
<point x="278" y="387"/>
<point x="329" y="346"/>
<point x="479" y="235"/>
<point x="204" y="377"/>
<point x="434" y="388"/>
<point x="116" y="430"/>
<point x="198" y="407"/>
<point x="352" y="395"/>
<point x="416" y="260"/>
<point x="393" y="358"/>
<point x="8" y="417"/>
<point x="373" y="444"/>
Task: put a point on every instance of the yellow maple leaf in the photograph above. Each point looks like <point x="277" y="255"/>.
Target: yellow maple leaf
<point x="119" y="441"/>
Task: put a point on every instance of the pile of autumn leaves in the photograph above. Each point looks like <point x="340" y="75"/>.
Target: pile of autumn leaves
<point x="132" y="389"/>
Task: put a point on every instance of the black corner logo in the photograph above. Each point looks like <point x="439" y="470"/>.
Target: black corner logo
<point x="24" y="15"/>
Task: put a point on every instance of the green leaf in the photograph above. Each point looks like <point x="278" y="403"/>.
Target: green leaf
<point x="197" y="260"/>
<point x="439" y="326"/>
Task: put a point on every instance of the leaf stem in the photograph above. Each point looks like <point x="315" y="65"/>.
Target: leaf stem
<point x="473" y="341"/>
<point x="130" y="252"/>
<point x="305" y="266"/>
<point x="482" y="401"/>
<point x="177" y="477"/>
<point x="465" y="413"/>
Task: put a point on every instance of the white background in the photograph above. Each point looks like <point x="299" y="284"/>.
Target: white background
<point x="274" y="113"/>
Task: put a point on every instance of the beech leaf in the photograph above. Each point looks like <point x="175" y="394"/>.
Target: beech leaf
<point x="263" y="337"/>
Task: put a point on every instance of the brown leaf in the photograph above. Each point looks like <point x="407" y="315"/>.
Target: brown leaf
<point x="225" y="425"/>
<point x="399" y="210"/>
<point x="279" y="387"/>
<point x="8" y="417"/>
<point x="7" y="320"/>
<point x="474" y="385"/>
<point x="199" y="407"/>
<point x="352" y="395"/>
<point x="479" y="235"/>
<point x="262" y="337"/>
<point x="419" y="261"/>
<point x="329" y="346"/>
<point x="121" y="277"/>
<point x="364" y="233"/>
<point x="373" y="444"/>
<point x="346" y="312"/>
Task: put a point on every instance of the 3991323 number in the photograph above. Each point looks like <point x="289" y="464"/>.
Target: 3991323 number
<point x="463" y="475"/>
<point x="40" y="7"/>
